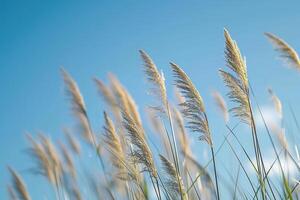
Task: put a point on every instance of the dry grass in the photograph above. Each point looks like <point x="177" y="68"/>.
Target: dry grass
<point x="136" y="164"/>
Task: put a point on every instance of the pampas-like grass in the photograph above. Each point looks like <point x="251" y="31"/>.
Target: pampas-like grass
<point x="238" y="81"/>
<point x="183" y="140"/>
<point x="157" y="80"/>
<point x="51" y="152"/>
<point x="19" y="187"/>
<point x="127" y="153"/>
<point x="72" y="141"/>
<point x="194" y="111"/>
<point x="276" y="102"/>
<point x="113" y="143"/>
<point x="159" y="90"/>
<point x="39" y="153"/>
<point x="69" y="163"/>
<point x="193" y="108"/>
<point x="286" y="51"/>
<point x="79" y="107"/>
<point x="174" y="184"/>
<point x="125" y="100"/>
<point x="141" y="152"/>
<point x="238" y="84"/>
<point x="158" y="128"/>
<point x="127" y="171"/>
<point x="106" y="93"/>
<point x="221" y="104"/>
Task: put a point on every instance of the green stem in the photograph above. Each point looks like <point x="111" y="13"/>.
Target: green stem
<point x="215" y="171"/>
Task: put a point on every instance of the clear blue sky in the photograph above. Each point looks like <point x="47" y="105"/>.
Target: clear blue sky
<point x="92" y="38"/>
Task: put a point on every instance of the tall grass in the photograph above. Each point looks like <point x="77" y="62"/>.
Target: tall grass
<point x="132" y="163"/>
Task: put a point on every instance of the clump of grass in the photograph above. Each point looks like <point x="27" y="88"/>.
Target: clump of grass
<point x="135" y="165"/>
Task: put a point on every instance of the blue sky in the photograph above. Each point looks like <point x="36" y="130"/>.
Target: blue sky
<point x="92" y="38"/>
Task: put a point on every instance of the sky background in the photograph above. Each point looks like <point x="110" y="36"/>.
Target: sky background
<point x="91" y="38"/>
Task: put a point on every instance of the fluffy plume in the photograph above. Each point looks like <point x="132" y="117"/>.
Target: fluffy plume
<point x="276" y="102"/>
<point x="286" y="51"/>
<point x="221" y="104"/>
<point x="126" y="171"/>
<point x="78" y="107"/>
<point x="113" y="143"/>
<point x="235" y="60"/>
<point x="281" y="136"/>
<point x="49" y="164"/>
<point x="141" y="152"/>
<point x="70" y="167"/>
<point x="183" y="140"/>
<point x="237" y="82"/>
<point x="39" y="154"/>
<point x="124" y="99"/>
<point x="72" y="141"/>
<point x="19" y="185"/>
<point x="106" y="93"/>
<point x="158" y="128"/>
<point x="173" y="181"/>
<point x="157" y="80"/>
<point x="52" y="153"/>
<point x="193" y="106"/>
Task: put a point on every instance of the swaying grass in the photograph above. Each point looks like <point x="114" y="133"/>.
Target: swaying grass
<point x="134" y="164"/>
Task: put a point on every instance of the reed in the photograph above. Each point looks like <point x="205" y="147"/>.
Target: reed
<point x="137" y="165"/>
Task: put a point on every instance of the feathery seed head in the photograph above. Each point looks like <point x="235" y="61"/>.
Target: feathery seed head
<point x="19" y="185"/>
<point x="286" y="51"/>
<point x="220" y="102"/>
<point x="238" y="81"/>
<point x="174" y="183"/>
<point x="141" y="152"/>
<point x="157" y="80"/>
<point x="78" y="106"/>
<point x="193" y="106"/>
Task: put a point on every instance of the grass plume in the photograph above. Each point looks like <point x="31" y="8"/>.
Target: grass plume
<point x="286" y="51"/>
<point x="78" y="107"/>
<point x="19" y="187"/>
<point x="194" y="111"/>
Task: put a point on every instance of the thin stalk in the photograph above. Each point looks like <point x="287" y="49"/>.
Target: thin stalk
<point x="215" y="171"/>
<point x="240" y="162"/>
<point x="164" y="188"/>
<point x="173" y="138"/>
<point x="219" y="148"/>
<point x="57" y="186"/>
<point x="63" y="190"/>
<point x="174" y="156"/>
<point x="236" y="184"/>
<point x="214" y="161"/>
<point x="99" y="157"/>
<point x="198" y="196"/>
<point x="258" y="146"/>
<point x="256" y="150"/>
<point x="158" y="188"/>
<point x="156" y="192"/>
<point x="269" y="170"/>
